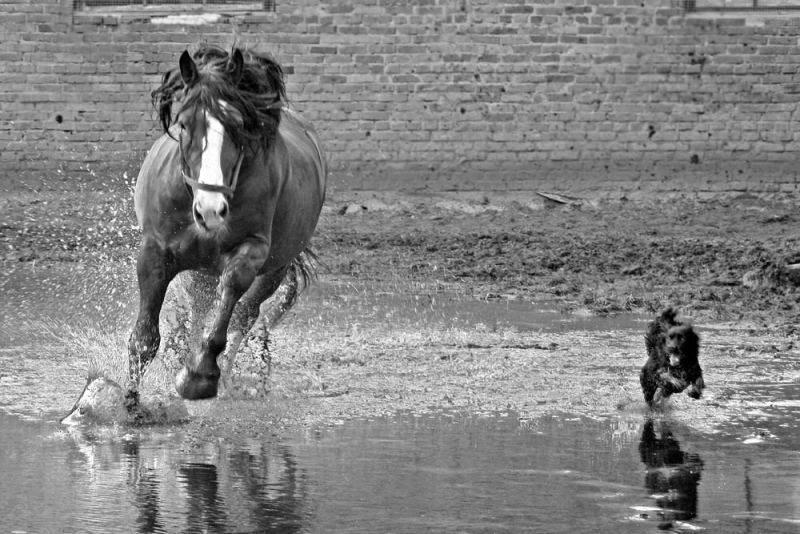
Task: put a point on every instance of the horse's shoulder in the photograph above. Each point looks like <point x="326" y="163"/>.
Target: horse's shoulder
<point x="159" y="164"/>
<point x="161" y="154"/>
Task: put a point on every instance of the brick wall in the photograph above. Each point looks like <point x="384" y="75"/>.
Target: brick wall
<point x="577" y="95"/>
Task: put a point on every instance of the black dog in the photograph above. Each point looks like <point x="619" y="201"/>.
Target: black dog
<point x="672" y="364"/>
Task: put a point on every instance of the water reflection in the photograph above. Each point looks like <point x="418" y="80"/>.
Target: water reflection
<point x="439" y="473"/>
<point x="145" y="481"/>
<point x="274" y="485"/>
<point x="206" y="504"/>
<point x="672" y="475"/>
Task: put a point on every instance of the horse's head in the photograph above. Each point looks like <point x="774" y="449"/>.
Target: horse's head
<point x="226" y="107"/>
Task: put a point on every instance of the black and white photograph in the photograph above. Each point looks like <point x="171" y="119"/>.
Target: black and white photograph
<point x="389" y="266"/>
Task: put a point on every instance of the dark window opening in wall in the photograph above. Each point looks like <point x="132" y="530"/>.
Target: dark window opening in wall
<point x="174" y="5"/>
<point x="740" y="5"/>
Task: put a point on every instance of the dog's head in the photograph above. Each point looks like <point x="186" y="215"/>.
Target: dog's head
<point x="682" y="345"/>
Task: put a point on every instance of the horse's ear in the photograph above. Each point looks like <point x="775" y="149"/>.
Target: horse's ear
<point x="236" y="65"/>
<point x="188" y="68"/>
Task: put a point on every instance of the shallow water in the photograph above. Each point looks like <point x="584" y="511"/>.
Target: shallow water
<point x="440" y="472"/>
<point x="435" y="473"/>
<point x="106" y="297"/>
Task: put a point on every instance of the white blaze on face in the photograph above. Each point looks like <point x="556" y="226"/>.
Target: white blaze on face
<point x="209" y="206"/>
<point x="211" y="160"/>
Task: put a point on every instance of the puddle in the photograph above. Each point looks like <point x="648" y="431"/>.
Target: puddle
<point x="442" y="473"/>
<point x="106" y="297"/>
<point x="396" y="306"/>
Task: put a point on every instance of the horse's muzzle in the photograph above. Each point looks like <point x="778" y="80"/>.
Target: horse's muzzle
<point x="210" y="213"/>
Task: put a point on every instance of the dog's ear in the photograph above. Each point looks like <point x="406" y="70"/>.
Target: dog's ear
<point x="691" y="343"/>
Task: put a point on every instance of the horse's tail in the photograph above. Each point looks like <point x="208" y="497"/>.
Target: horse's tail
<point x="304" y="268"/>
<point x="301" y="272"/>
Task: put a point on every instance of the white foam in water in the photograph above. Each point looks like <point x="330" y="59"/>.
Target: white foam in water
<point x="103" y="402"/>
<point x="759" y="437"/>
<point x="646" y="508"/>
<point x="683" y="526"/>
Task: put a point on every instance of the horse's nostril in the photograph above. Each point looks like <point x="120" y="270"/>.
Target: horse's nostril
<point x="197" y="215"/>
<point x="223" y="211"/>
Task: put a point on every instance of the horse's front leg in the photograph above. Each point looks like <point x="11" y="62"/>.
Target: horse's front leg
<point x="199" y="379"/>
<point x="154" y="270"/>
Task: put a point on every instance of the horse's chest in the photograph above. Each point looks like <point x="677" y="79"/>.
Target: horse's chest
<point x="192" y="250"/>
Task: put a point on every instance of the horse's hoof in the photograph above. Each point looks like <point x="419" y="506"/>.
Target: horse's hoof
<point x="194" y="386"/>
<point x="131" y="400"/>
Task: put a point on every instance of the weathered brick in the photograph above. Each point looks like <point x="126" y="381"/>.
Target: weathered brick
<point x="610" y="91"/>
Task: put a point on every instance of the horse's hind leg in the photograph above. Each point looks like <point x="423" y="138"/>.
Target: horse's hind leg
<point x="284" y="298"/>
<point x="261" y="319"/>
<point x="245" y="316"/>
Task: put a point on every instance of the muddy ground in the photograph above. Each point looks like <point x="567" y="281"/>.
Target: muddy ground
<point x="722" y="262"/>
<point x="715" y="259"/>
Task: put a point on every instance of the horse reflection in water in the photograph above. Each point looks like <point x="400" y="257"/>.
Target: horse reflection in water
<point x="252" y="487"/>
<point x="228" y="196"/>
<point x="274" y="497"/>
<point x="672" y="475"/>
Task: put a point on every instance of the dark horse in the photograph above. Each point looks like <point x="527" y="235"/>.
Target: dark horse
<point x="231" y="192"/>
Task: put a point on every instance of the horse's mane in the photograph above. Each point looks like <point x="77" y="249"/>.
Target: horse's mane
<point x="256" y="96"/>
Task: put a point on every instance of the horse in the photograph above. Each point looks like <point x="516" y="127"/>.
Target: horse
<point x="230" y="192"/>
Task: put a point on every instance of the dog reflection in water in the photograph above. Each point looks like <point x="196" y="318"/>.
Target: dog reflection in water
<point x="103" y="402"/>
<point x="672" y="475"/>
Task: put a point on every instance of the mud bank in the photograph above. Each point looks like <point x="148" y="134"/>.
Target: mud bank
<point x="714" y="259"/>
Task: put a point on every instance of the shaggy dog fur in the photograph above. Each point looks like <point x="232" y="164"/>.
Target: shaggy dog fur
<point x="672" y="365"/>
